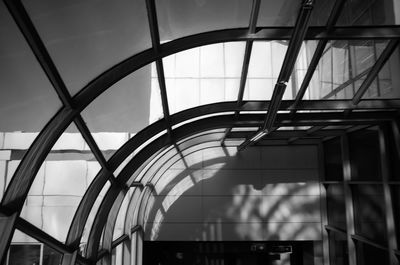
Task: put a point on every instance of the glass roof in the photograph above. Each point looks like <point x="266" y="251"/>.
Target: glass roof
<point x="86" y="38"/>
<point x="136" y="90"/>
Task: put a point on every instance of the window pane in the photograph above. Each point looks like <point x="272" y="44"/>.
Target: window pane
<point x="86" y="38"/>
<point x="342" y="68"/>
<point x="24" y="254"/>
<point x="27" y="99"/>
<point x="338" y="253"/>
<point x="369" y="12"/>
<point x="369" y="212"/>
<point x="203" y="75"/>
<point x="364" y="155"/>
<point x="278" y="13"/>
<point x="120" y="112"/>
<point x="386" y="85"/>
<point x="60" y="184"/>
<point x="181" y="18"/>
<point x="333" y="160"/>
<point x="336" y="206"/>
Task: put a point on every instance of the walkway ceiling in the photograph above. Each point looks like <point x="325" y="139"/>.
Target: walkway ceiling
<point x="167" y="33"/>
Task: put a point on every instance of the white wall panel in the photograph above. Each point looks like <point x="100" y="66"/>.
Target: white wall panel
<point x="65" y="178"/>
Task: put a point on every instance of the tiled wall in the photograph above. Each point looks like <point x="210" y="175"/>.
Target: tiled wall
<point x="269" y="193"/>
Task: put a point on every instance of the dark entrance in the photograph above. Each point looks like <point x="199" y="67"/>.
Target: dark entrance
<point x="227" y="253"/>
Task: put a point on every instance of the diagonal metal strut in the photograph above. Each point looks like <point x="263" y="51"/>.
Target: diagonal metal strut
<point x="286" y="70"/>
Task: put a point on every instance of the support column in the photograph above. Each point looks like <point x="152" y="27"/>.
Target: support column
<point x="348" y="200"/>
<point x="389" y="216"/>
<point x="323" y="202"/>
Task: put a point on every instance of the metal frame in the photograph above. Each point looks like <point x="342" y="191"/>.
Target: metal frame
<point x="17" y="191"/>
<point x="289" y="61"/>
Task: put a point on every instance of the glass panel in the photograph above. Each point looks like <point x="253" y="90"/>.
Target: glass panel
<point x="120" y="221"/>
<point x="264" y="68"/>
<point x="202" y="75"/>
<point x="278" y="13"/>
<point x="370" y="12"/>
<point x="338" y="253"/>
<point x="86" y="38"/>
<point x="342" y="68"/>
<point x="370" y="255"/>
<point x="387" y="83"/>
<point x="333" y="160"/>
<point x="369" y="212"/>
<point x="27" y="99"/>
<point x="181" y="18"/>
<point x="124" y="108"/>
<point x="321" y="11"/>
<point x="364" y="155"/>
<point x="91" y="217"/>
<point x="59" y="185"/>
<point x="300" y="69"/>
<point x="336" y="206"/>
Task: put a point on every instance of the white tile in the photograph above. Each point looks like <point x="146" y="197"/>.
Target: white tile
<point x="290" y="188"/>
<point x="56" y="221"/>
<point x="109" y="141"/>
<point x="37" y="185"/>
<point x="293" y="231"/>
<point x="5" y="154"/>
<point x="289" y="157"/>
<point x="93" y="168"/>
<point x="232" y="89"/>
<point x="156" y="111"/>
<point x="188" y="63"/>
<point x="211" y="91"/>
<point x="2" y="135"/>
<point x="2" y="178"/>
<point x="72" y="141"/>
<point x="188" y="93"/>
<point x="260" y="89"/>
<point x="33" y="214"/>
<point x="212" y="60"/>
<point x="19" y="140"/>
<point x="11" y="168"/>
<point x="278" y="54"/>
<point x="65" y="178"/>
<point x="177" y="209"/>
<point x="293" y="208"/>
<point x="234" y="54"/>
<point x="169" y="64"/>
<point x="61" y="201"/>
<point x="249" y="158"/>
<point x="260" y="60"/>
<point x="218" y="182"/>
<point x="20" y="237"/>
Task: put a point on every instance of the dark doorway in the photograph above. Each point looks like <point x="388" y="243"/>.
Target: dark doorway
<point x="226" y="253"/>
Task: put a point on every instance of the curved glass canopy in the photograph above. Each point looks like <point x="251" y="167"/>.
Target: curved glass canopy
<point x="112" y="111"/>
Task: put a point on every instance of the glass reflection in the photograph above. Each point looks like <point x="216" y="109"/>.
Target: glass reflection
<point x="343" y="67"/>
